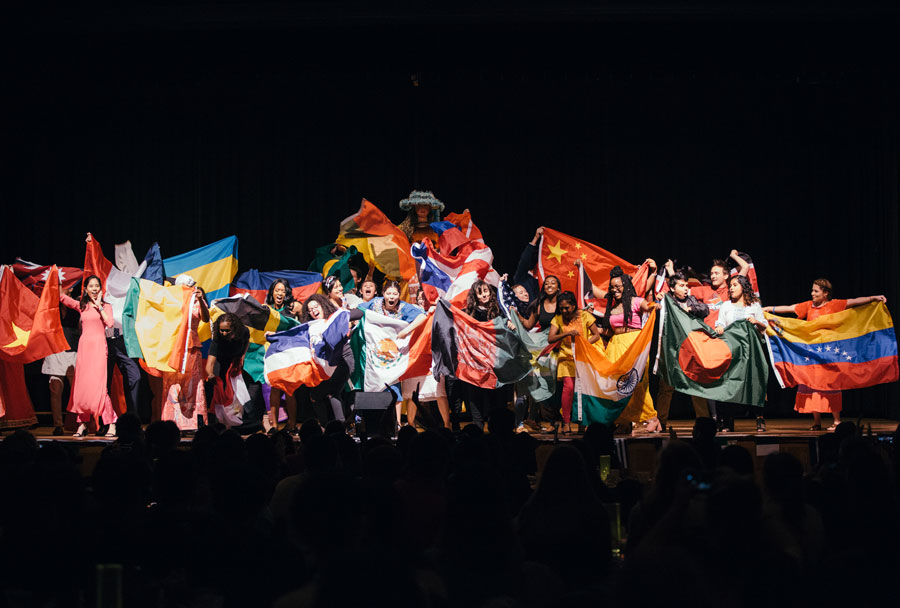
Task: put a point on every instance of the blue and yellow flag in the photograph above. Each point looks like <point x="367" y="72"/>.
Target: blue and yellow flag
<point x="212" y="266"/>
<point x="854" y="348"/>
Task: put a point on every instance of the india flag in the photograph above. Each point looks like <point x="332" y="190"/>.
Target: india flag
<point x="602" y="386"/>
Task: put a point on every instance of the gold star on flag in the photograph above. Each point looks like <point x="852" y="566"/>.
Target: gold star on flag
<point x="583" y="256"/>
<point x="571" y="274"/>
<point x="577" y="245"/>
<point x="556" y="251"/>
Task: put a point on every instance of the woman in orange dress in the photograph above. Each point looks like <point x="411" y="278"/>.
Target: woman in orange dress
<point x="820" y="402"/>
<point x="90" y="400"/>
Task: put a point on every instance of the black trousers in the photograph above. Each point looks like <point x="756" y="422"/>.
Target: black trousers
<point x="131" y="371"/>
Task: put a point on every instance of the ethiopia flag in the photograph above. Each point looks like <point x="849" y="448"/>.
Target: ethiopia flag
<point x="383" y="359"/>
<point x="379" y="241"/>
<point x="483" y="353"/>
<point x="155" y="322"/>
<point x="854" y="348"/>
<point x="604" y="387"/>
<point x="697" y="361"/>
<point x="557" y="253"/>
<point x="303" y="284"/>
<point x="258" y="318"/>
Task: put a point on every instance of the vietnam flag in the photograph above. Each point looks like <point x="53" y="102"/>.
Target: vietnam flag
<point x="379" y="241"/>
<point x="29" y="326"/>
<point x="854" y="348"/>
<point x="557" y="255"/>
<point x="486" y="354"/>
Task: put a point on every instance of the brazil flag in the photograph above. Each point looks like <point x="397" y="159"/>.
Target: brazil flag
<point x="696" y="361"/>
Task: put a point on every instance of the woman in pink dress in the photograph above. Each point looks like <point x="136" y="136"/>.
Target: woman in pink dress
<point x="90" y="400"/>
<point x="184" y="399"/>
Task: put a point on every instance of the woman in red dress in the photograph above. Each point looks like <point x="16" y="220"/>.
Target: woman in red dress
<point x="90" y="400"/>
<point x="808" y="400"/>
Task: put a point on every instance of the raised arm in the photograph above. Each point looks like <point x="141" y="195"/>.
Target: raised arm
<point x="69" y="302"/>
<point x="865" y="300"/>
<point x="783" y="310"/>
<point x="418" y="321"/>
<point x="745" y="267"/>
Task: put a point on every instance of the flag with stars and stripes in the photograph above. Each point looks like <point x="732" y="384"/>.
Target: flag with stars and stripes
<point x="854" y="348"/>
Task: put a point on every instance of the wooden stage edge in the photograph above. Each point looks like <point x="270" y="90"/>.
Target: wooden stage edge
<point x="745" y="429"/>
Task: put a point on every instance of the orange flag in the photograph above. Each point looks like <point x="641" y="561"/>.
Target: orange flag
<point x="379" y="240"/>
<point x="558" y="252"/>
<point x="30" y="328"/>
<point x="466" y="225"/>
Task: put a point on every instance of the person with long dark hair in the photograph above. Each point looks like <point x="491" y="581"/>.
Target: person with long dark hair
<point x="90" y="399"/>
<point x="280" y="299"/>
<point x="570" y="322"/>
<point x="741" y="305"/>
<point x="821" y="303"/>
<point x="543" y="308"/>
<point x="621" y="323"/>
<point x="482" y="305"/>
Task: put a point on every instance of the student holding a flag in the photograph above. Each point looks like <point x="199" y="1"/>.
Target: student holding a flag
<point x="820" y="304"/>
<point x="90" y="399"/>
<point x="742" y="305"/>
<point x="621" y="322"/>
<point x="570" y="322"/>
<point x="184" y="398"/>
<point x="279" y="299"/>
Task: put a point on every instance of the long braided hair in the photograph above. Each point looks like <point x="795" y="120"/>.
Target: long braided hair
<point x="628" y="293"/>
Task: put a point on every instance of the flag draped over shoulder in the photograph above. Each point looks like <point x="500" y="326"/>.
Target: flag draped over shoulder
<point x="258" y="318"/>
<point x="486" y="354"/>
<point x="30" y="328"/>
<point x="557" y="253"/>
<point x="379" y="241"/>
<point x="212" y="266"/>
<point x="382" y="359"/>
<point x="305" y="354"/>
<point x="450" y="276"/>
<point x="696" y="361"/>
<point x="303" y="283"/>
<point x="34" y="275"/>
<point x="154" y="320"/>
<point x="854" y="348"/>
<point x="540" y="383"/>
<point x="603" y="387"/>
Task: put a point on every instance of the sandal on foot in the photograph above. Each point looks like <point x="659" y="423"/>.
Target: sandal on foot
<point x="816" y="427"/>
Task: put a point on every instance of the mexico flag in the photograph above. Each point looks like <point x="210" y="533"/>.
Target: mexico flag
<point x="383" y="359"/>
<point x="603" y="387"/>
<point x="696" y="361"/>
<point x="483" y="353"/>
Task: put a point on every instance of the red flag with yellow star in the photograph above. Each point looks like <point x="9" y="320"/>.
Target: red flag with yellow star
<point x="559" y="251"/>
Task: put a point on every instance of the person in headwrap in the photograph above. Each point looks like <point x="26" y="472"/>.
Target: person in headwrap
<point x="422" y="209"/>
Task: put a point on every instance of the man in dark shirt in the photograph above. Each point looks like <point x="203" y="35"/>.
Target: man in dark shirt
<point x="697" y="309"/>
<point x="230" y="341"/>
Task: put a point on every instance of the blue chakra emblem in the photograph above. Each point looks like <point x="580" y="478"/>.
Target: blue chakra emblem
<point x="627" y="383"/>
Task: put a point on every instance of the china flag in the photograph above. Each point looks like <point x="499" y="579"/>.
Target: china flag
<point x="559" y="251"/>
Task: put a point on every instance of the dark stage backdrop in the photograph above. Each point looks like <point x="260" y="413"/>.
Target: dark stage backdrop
<point x="664" y="137"/>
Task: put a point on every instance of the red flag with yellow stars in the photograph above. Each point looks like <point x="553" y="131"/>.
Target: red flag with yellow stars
<point x="559" y="251"/>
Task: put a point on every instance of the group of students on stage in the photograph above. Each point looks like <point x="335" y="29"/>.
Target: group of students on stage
<point x="183" y="397"/>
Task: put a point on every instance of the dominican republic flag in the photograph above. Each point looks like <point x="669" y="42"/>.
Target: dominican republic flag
<point x="695" y="360"/>
<point x="383" y="359"/>
<point x="33" y="275"/>
<point x="486" y="354"/>
<point x="304" y="355"/>
<point x="443" y="275"/>
<point x="604" y="387"/>
<point x="303" y="283"/>
<point x="854" y="348"/>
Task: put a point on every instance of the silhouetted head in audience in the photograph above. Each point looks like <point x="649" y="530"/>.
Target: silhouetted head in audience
<point x="383" y="464"/>
<point x="335" y="427"/>
<point x="783" y="482"/>
<point x="738" y="459"/>
<point x="162" y="435"/>
<point x="309" y="430"/>
<point x="429" y="457"/>
<point x="19" y="448"/>
<point x="704" y="430"/>
<point x="321" y="455"/>
<point x="129" y="429"/>
<point x="404" y="438"/>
